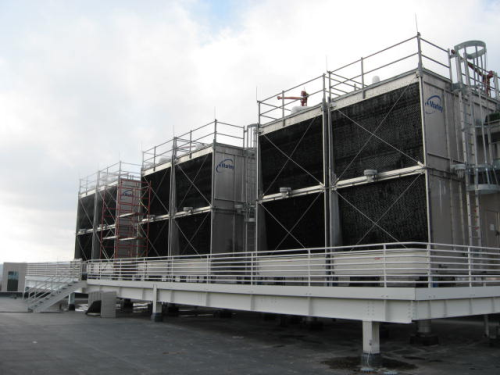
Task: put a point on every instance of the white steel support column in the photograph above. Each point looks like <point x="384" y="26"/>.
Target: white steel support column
<point x="424" y="335"/>
<point x="156" y="315"/>
<point x="371" y="344"/>
<point x="486" y="326"/>
<point x="424" y="327"/>
<point x="71" y="302"/>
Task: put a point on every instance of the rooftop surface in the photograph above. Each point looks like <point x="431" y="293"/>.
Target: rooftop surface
<point x="197" y="342"/>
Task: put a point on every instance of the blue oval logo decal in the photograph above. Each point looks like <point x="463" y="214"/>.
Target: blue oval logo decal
<point x="226" y="164"/>
<point x="127" y="193"/>
<point x="433" y="105"/>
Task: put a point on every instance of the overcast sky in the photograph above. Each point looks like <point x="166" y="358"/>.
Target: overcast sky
<point x="84" y="84"/>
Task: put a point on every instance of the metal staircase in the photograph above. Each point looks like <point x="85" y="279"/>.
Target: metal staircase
<point x="51" y="290"/>
<point x="477" y="170"/>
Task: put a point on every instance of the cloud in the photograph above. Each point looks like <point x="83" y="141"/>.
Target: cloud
<point x="83" y="84"/>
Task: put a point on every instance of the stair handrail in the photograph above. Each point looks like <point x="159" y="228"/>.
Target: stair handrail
<point x="47" y="288"/>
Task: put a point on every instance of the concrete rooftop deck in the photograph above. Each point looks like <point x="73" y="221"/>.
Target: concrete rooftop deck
<point x="62" y="342"/>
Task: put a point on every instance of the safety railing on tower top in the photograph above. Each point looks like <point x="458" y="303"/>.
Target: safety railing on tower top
<point x="110" y="175"/>
<point x="403" y="57"/>
<point x="196" y="139"/>
<point x="411" y="264"/>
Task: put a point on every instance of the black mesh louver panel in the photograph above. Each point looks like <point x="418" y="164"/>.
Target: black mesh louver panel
<point x="195" y="236"/>
<point x="193" y="182"/>
<point x="400" y="126"/>
<point x="160" y="191"/>
<point x="106" y="205"/>
<point x="107" y="245"/>
<point x="309" y="231"/>
<point x="85" y="213"/>
<point x="158" y="238"/>
<point x="405" y="221"/>
<point x="83" y="246"/>
<point x="308" y="154"/>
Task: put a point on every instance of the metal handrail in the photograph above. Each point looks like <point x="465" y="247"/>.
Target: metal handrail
<point x="385" y="264"/>
<point x="72" y="269"/>
<point x="109" y="175"/>
<point x="388" y="264"/>
<point x="353" y="75"/>
<point x="46" y="289"/>
<point x="202" y="136"/>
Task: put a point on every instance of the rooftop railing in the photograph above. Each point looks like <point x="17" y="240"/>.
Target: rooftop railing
<point x="409" y="55"/>
<point x="70" y="270"/>
<point x="196" y="139"/>
<point x="110" y="175"/>
<point x="411" y="264"/>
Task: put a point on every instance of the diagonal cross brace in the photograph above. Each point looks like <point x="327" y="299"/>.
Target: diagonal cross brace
<point x="388" y="209"/>
<point x="373" y="135"/>
<point x="290" y="159"/>
<point x="192" y="182"/>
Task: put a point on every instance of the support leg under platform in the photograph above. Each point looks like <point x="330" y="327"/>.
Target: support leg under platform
<point x="424" y="335"/>
<point x="156" y="313"/>
<point x="371" y="356"/>
<point x="71" y="302"/>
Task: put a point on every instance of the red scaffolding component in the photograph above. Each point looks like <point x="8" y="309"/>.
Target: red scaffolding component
<point x="124" y="228"/>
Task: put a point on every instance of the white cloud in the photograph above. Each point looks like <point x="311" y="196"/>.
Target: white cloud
<point x="83" y="84"/>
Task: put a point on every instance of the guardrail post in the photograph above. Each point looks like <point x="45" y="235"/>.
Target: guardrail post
<point x="208" y="269"/>
<point x="252" y="268"/>
<point x="170" y="273"/>
<point x="384" y="248"/>
<point x="309" y="267"/>
<point x="363" y="77"/>
<point x="420" y="65"/>
<point x="258" y="110"/>
<point x="429" y="270"/>
<point x="469" y="265"/>
<point x="215" y="131"/>
<point x="496" y="87"/>
<point x="283" y="107"/>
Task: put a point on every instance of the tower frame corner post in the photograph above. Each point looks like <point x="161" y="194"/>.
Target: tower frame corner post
<point x="325" y="117"/>
<point x="424" y="140"/>
<point x="333" y="235"/>
<point x="212" y="192"/>
<point x="96" y="244"/>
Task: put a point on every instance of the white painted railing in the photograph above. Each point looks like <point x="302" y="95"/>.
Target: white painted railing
<point x="69" y="270"/>
<point x="389" y="265"/>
